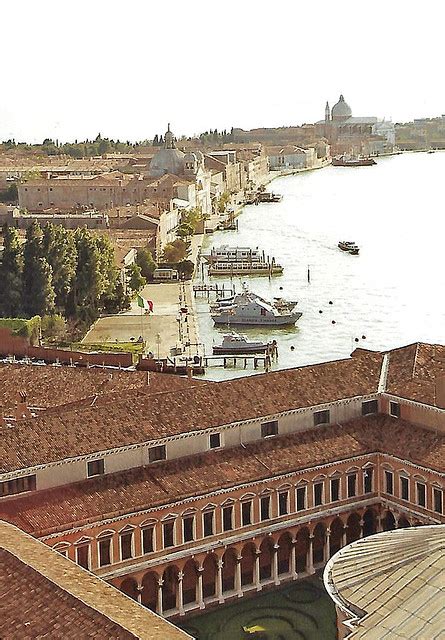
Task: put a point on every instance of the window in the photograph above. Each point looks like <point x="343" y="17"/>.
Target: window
<point x="352" y="485"/>
<point x="104" y="552"/>
<point x="157" y="453"/>
<point x="367" y="479"/>
<point x="246" y="513"/>
<point x="168" y="531"/>
<point x="96" y="468"/>
<point x="83" y="556"/>
<point x="265" y="508"/>
<point x="147" y="539"/>
<point x="301" y="498"/>
<point x="228" y="518"/>
<point x="404" y="488"/>
<point x="318" y="494"/>
<point x="283" y="503"/>
<point x="394" y="409"/>
<point x="209" y="523"/>
<point x="215" y="440"/>
<point x="335" y="489"/>
<point x="126" y="545"/>
<point x="18" y="485"/>
<point x="321" y="417"/>
<point x="389" y="482"/>
<point x="369" y="407"/>
<point x="187" y="528"/>
<point x="421" y="494"/>
<point x="438" y="500"/>
<point x="269" y="429"/>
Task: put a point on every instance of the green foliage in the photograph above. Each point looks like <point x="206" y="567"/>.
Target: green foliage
<point x="176" y="251"/>
<point x="11" y="275"/>
<point x="126" y="347"/>
<point x="223" y="201"/>
<point x="38" y="291"/>
<point x="144" y="260"/>
<point x="60" y="251"/>
<point x="9" y="195"/>
<point x="29" y="329"/>
<point x="185" y="269"/>
<point x="135" y="279"/>
<point x="53" y="326"/>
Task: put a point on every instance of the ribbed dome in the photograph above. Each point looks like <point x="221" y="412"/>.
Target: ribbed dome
<point x="341" y="110"/>
<point x="167" y="160"/>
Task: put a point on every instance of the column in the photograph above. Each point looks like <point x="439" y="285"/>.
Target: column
<point x="140" y="589"/>
<point x="327" y="546"/>
<point x="256" y="573"/>
<point x="378" y="524"/>
<point x="362" y="522"/>
<point x="159" y="608"/>
<point x="343" y="536"/>
<point x="275" y="564"/>
<point x="219" y="582"/>
<point x="200" y="590"/>
<point x="180" y="596"/>
<point x="310" y="559"/>
<point x="293" y="559"/>
<point x="238" y="585"/>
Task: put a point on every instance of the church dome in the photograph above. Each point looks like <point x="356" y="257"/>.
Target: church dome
<point x="168" y="159"/>
<point x="341" y="110"/>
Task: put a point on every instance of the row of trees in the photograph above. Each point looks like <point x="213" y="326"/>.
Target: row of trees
<point x="56" y="270"/>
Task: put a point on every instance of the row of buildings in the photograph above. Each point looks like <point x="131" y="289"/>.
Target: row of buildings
<point x="184" y="493"/>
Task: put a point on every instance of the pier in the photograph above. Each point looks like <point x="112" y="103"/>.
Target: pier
<point x="225" y="360"/>
<point x="208" y="289"/>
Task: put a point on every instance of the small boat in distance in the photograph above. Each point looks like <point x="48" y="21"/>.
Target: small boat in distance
<point x="350" y="247"/>
<point x="235" y="344"/>
<point x="352" y="161"/>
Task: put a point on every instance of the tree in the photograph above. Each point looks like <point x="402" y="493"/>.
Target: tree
<point x="176" y="251"/>
<point x="144" y="260"/>
<point x="11" y="274"/>
<point x="38" y="292"/>
<point x="59" y="249"/>
<point x="87" y="284"/>
<point x="184" y="230"/>
<point x="135" y="279"/>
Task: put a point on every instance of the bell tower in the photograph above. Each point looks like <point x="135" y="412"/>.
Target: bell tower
<point x="327" y="113"/>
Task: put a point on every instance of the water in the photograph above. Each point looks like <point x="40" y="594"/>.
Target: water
<point x="393" y="293"/>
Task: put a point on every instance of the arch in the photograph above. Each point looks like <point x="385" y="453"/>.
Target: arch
<point x="284" y="552"/>
<point x="150" y="590"/>
<point x="403" y="523"/>
<point x="369" y="523"/>
<point x="130" y="587"/>
<point x="266" y="556"/>
<point x="189" y="582"/>
<point x="248" y="564"/>
<point x="228" y="570"/>
<point x="336" y="539"/>
<point x="170" y="588"/>
<point x="209" y="573"/>
<point x="319" y="543"/>
<point x="388" y="522"/>
<point x="353" y="530"/>
<point x="302" y="549"/>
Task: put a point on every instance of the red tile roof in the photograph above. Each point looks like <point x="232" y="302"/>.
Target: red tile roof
<point x="155" y="485"/>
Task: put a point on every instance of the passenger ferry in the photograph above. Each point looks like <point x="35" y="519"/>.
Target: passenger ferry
<point x="230" y="261"/>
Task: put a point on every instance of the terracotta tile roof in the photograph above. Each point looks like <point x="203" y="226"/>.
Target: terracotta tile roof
<point x="44" y="595"/>
<point x="82" y="431"/>
<point x="54" y="386"/>
<point x="166" y="482"/>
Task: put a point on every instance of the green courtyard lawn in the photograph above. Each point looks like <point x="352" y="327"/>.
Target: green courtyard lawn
<point x="299" y="611"/>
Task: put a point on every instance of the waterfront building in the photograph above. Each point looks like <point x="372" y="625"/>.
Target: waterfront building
<point x="208" y="491"/>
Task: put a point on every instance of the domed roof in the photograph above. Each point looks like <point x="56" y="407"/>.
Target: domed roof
<point x="168" y="159"/>
<point x="341" y="109"/>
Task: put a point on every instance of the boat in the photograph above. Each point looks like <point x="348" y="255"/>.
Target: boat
<point x="250" y="309"/>
<point x="352" y="161"/>
<point x="225" y="253"/>
<point x="235" y="344"/>
<point x="266" y="196"/>
<point x="350" y="247"/>
<point x="230" y="261"/>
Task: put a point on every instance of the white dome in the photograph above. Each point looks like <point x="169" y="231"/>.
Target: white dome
<point x="341" y="110"/>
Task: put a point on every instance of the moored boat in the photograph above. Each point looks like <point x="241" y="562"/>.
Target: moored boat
<point x="353" y="161"/>
<point x="349" y="247"/>
<point x="235" y="344"/>
<point x="249" y="309"/>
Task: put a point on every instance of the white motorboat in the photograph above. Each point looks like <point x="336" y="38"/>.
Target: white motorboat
<point x="235" y="344"/>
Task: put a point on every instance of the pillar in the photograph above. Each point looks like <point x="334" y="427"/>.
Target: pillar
<point x="180" y="597"/>
<point x="343" y="535"/>
<point x="200" y="589"/>
<point x="140" y="589"/>
<point x="310" y="560"/>
<point x="327" y="546"/>
<point x="362" y="522"/>
<point x="256" y="572"/>
<point x="293" y="559"/>
<point x="219" y="582"/>
<point x="378" y="524"/>
<point x="238" y="585"/>
<point x="159" y="608"/>
<point x="275" y="564"/>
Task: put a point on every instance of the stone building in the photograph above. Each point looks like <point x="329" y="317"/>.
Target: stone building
<point x="213" y="490"/>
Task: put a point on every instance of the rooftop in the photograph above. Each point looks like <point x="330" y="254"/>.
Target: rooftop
<point x="391" y="585"/>
<point x="44" y="595"/>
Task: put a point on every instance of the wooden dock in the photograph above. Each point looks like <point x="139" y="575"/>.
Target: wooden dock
<point x="207" y="289"/>
<point x="226" y="360"/>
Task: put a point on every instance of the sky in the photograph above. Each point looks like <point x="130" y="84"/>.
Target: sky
<point x="70" y="70"/>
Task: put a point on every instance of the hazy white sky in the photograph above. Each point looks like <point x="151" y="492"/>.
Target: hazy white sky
<point x="73" y="69"/>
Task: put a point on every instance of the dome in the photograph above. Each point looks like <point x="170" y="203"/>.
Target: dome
<point x="341" y="110"/>
<point x="168" y="159"/>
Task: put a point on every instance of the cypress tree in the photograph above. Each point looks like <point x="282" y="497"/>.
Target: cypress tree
<point x="38" y="292"/>
<point x="11" y="274"/>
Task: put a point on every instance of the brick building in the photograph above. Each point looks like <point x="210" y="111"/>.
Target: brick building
<point x="206" y="491"/>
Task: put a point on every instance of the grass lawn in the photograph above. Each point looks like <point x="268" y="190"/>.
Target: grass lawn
<point x="299" y="611"/>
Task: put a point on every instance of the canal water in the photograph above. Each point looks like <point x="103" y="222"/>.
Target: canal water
<point x="390" y="295"/>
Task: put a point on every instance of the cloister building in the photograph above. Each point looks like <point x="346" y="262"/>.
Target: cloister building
<point x="204" y="492"/>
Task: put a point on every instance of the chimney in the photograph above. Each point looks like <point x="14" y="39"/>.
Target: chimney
<point x="22" y="412"/>
<point x="440" y="392"/>
<point x="189" y="373"/>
